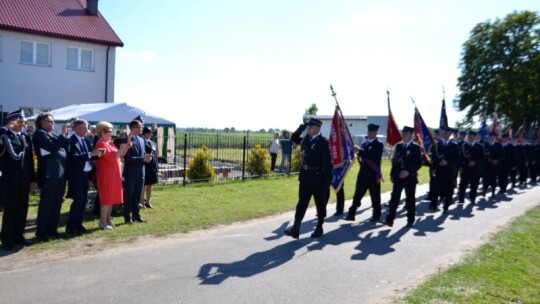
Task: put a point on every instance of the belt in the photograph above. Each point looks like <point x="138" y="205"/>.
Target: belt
<point x="309" y="168"/>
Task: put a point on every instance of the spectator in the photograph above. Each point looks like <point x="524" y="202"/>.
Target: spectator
<point x="51" y="176"/>
<point x="80" y="153"/>
<point x="150" y="168"/>
<point x="154" y="133"/>
<point x="109" y="173"/>
<point x="120" y="137"/>
<point x="274" y="148"/>
<point x="286" y="151"/>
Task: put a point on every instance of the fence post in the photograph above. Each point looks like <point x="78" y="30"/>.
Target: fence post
<point x="184" y="173"/>
<point x="244" y="158"/>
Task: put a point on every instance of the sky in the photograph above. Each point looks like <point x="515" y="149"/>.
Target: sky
<point x="253" y="64"/>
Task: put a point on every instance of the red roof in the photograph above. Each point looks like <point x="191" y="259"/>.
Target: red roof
<point x="66" y="19"/>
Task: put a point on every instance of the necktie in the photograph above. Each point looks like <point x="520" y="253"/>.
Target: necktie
<point x="83" y="145"/>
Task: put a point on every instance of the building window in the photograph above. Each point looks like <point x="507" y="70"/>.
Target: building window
<point x="36" y="53"/>
<point x="80" y="59"/>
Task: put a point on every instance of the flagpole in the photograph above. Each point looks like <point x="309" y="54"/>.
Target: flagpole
<point x="341" y="113"/>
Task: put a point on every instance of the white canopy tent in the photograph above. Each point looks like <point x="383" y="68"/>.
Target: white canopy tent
<point x="119" y="115"/>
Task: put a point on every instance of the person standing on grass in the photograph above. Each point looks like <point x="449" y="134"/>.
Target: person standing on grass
<point x="109" y="173"/>
<point x="151" y="168"/>
<point x="17" y="165"/>
<point x="315" y="175"/>
<point x="274" y="149"/>
<point x="133" y="174"/>
<point x="51" y="176"/>
<point x="286" y="151"/>
<point x="406" y="161"/>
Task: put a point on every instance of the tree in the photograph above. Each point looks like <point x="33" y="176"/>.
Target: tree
<point x="312" y="110"/>
<point x="500" y="68"/>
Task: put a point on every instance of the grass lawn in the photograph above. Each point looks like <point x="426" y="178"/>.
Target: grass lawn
<point x="506" y="270"/>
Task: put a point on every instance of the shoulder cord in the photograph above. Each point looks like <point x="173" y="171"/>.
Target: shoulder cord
<point x="9" y="147"/>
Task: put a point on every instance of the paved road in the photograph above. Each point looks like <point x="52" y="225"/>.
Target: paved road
<point x="252" y="262"/>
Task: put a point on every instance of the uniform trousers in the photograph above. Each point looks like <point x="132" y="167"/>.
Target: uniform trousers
<point x="305" y="192"/>
<point x="14" y="217"/>
<point x="443" y="186"/>
<point x="50" y="203"/>
<point x="409" y="184"/>
<point x="470" y="176"/>
<point x="362" y="186"/>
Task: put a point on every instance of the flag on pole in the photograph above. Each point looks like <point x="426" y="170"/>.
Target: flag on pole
<point x="483" y="130"/>
<point x="443" y="123"/>
<point x="393" y="136"/>
<point x="341" y="148"/>
<point x="421" y="131"/>
<point x="496" y="128"/>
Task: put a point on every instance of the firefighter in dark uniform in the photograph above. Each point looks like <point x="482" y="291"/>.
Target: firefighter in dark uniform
<point x="472" y="157"/>
<point x="315" y="175"/>
<point x="17" y="165"/>
<point x="533" y="170"/>
<point x="524" y="161"/>
<point x="507" y="163"/>
<point x="406" y="161"/>
<point x="494" y="153"/>
<point x="445" y="157"/>
<point x="518" y="155"/>
<point x="369" y="176"/>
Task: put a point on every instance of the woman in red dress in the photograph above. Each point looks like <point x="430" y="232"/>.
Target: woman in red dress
<point x="109" y="173"/>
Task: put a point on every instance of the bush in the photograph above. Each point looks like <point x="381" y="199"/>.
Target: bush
<point x="257" y="163"/>
<point x="199" y="166"/>
<point x="296" y="161"/>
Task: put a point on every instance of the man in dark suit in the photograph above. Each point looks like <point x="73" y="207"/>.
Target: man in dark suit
<point x="80" y="154"/>
<point x="494" y="153"/>
<point x="369" y="176"/>
<point x="472" y="158"/>
<point x="507" y="163"/>
<point x="406" y="161"/>
<point x="445" y="157"/>
<point x="133" y="174"/>
<point x="315" y="175"/>
<point x="51" y="176"/>
<point x="17" y="165"/>
<point x="518" y="155"/>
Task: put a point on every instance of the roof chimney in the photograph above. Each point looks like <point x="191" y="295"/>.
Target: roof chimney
<point x="92" y="7"/>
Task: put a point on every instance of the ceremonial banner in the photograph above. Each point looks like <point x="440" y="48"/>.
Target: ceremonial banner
<point x="444" y="119"/>
<point x="421" y="132"/>
<point x="341" y="148"/>
<point x="496" y="128"/>
<point x="393" y="135"/>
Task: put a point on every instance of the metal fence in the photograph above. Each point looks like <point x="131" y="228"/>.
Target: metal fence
<point x="229" y="156"/>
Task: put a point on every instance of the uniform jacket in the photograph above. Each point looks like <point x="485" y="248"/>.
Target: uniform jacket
<point x="508" y="158"/>
<point x="51" y="155"/>
<point x="316" y="159"/>
<point x="493" y="151"/>
<point x="17" y="173"/>
<point x="373" y="152"/>
<point x="406" y="159"/>
<point x="472" y="152"/>
<point x="448" y="151"/>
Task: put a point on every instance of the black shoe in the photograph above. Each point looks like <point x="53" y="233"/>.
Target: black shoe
<point x="461" y="201"/>
<point x="292" y="233"/>
<point x="73" y="231"/>
<point x="128" y="222"/>
<point x="338" y="213"/>
<point x="388" y="223"/>
<point x="410" y="225"/>
<point x="7" y="247"/>
<point x="350" y="217"/>
<point x="140" y="220"/>
<point x="23" y="241"/>
<point x="432" y="208"/>
<point x="317" y="233"/>
<point x="42" y="239"/>
<point x="82" y="229"/>
<point x="53" y="235"/>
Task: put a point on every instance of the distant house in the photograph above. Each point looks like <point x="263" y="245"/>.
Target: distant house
<point x="54" y="53"/>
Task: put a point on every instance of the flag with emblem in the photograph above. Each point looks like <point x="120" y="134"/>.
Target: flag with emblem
<point x="341" y="148"/>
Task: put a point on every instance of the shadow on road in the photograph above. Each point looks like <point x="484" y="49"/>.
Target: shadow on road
<point x="216" y="273"/>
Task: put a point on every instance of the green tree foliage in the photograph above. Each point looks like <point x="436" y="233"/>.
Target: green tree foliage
<point x="257" y="163"/>
<point x="500" y="68"/>
<point x="312" y="110"/>
<point x="199" y="166"/>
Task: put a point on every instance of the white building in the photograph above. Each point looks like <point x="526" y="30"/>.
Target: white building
<point x="55" y="53"/>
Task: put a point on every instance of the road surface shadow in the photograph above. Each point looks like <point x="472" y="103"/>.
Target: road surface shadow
<point x="378" y="243"/>
<point x="216" y="273"/>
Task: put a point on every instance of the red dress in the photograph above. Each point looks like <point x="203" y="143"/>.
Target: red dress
<point x="109" y="175"/>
